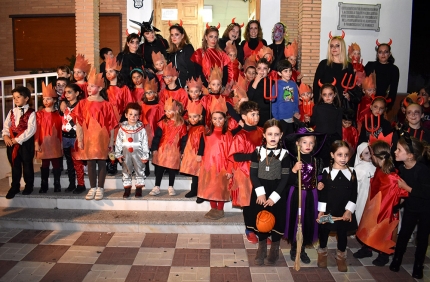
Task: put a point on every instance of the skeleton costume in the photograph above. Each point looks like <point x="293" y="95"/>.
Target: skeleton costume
<point x="132" y="144"/>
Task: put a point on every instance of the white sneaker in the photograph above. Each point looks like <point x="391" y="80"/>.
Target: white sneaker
<point x="99" y="194"/>
<point x="172" y="191"/>
<point x="91" y="194"/>
<point x="155" y="191"/>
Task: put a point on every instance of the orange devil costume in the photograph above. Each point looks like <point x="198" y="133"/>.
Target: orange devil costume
<point x="292" y="50"/>
<point x="213" y="183"/>
<point x="155" y="58"/>
<point x="97" y="119"/>
<point x="48" y="133"/>
<point x="84" y="66"/>
<point x="231" y="48"/>
<point x="363" y="109"/>
<point x="119" y="97"/>
<point x="168" y="143"/>
<point x="306" y="105"/>
<point x="179" y="94"/>
<point x="378" y="220"/>
<point x="152" y="111"/>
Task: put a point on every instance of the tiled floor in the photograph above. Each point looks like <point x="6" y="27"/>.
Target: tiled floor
<point x="43" y="255"/>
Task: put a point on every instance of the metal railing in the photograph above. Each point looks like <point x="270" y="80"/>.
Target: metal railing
<point x="29" y="80"/>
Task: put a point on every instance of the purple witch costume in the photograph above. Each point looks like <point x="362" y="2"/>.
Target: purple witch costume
<point x="312" y="168"/>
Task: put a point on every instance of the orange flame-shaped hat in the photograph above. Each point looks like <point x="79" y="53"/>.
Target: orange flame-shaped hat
<point x="151" y="85"/>
<point x="304" y="88"/>
<point x="170" y="70"/>
<point x="264" y="51"/>
<point x="353" y="47"/>
<point x="413" y="98"/>
<point x="194" y="107"/>
<point x="369" y="82"/>
<point x="387" y="139"/>
<point x="216" y="74"/>
<point x="82" y="64"/>
<point x="218" y="105"/>
<point x="230" y="48"/>
<point x="192" y="83"/>
<point x="250" y="62"/>
<point x="48" y="91"/>
<point x="157" y="57"/>
<point x="111" y="63"/>
<point x="291" y="50"/>
<point x="95" y="78"/>
<point x="170" y="105"/>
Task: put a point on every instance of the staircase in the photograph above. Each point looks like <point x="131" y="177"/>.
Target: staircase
<point x="155" y="214"/>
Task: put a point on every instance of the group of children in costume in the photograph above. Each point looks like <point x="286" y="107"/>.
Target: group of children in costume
<point x="226" y="140"/>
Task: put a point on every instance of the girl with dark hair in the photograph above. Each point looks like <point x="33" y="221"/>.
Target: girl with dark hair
<point x="337" y="198"/>
<point x="216" y="169"/>
<point x="180" y="52"/>
<point x="387" y="73"/>
<point x="209" y="56"/>
<point x="232" y="33"/>
<point x="376" y="123"/>
<point x="379" y="218"/>
<point x="130" y="57"/>
<point x="253" y="41"/>
<point x="75" y="168"/>
<point x="414" y="179"/>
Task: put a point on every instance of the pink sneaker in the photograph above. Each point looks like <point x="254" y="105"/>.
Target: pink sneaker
<point x="269" y="241"/>
<point x="251" y="237"/>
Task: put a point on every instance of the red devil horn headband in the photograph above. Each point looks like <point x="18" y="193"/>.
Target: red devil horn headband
<point x="389" y="42"/>
<point x="342" y="36"/>
<point x="217" y="27"/>
<point x="180" y="23"/>
<point x="232" y="21"/>
<point x="333" y="83"/>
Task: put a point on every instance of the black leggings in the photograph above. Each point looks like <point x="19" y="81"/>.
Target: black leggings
<point x="159" y="171"/>
<point x="409" y="220"/>
<point x="275" y="236"/>
<point x="92" y="174"/>
<point x="341" y="236"/>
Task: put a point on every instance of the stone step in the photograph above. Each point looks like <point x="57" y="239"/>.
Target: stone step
<point x="120" y="221"/>
<point x="112" y="200"/>
<point x="182" y="182"/>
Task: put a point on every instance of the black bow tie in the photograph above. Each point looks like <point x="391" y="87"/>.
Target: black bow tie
<point x="22" y="110"/>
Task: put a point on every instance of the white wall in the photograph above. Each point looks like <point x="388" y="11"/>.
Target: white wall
<point x="269" y="15"/>
<point x="395" y="23"/>
<point x="139" y="15"/>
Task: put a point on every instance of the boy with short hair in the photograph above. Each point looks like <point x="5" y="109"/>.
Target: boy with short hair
<point x="105" y="53"/>
<point x="286" y="105"/>
<point x="244" y="144"/>
<point x="18" y="134"/>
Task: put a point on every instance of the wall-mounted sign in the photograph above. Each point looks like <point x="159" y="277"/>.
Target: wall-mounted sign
<point x="358" y="16"/>
<point x="138" y="4"/>
<point x="169" y="14"/>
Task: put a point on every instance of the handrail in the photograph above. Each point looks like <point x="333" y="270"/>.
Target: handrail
<point x="21" y="80"/>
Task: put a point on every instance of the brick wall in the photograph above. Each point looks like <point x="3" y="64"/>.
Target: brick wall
<point x="309" y="37"/>
<point x="22" y="7"/>
<point x="290" y="17"/>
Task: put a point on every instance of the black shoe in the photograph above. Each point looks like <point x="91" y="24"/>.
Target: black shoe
<point x="71" y="188"/>
<point x="381" y="260"/>
<point x="11" y="193"/>
<point x="111" y="168"/>
<point x="190" y="194"/>
<point x="199" y="200"/>
<point x="396" y="263"/>
<point x="27" y="191"/>
<point x="79" y="189"/>
<point x="417" y="273"/>
<point x="364" y="252"/>
<point x="304" y="258"/>
<point x="127" y="192"/>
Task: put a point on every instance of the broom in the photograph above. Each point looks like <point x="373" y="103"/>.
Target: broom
<point x="299" y="234"/>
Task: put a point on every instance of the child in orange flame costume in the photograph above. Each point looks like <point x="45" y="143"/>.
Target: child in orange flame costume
<point x="95" y="122"/>
<point x="118" y="93"/>
<point x="354" y="55"/>
<point x="48" y="138"/>
<point x="379" y="218"/>
<point x="249" y="71"/>
<point x="195" y="94"/>
<point x="137" y="77"/>
<point x="159" y="65"/>
<point x="190" y="159"/>
<point x="291" y="52"/>
<point x="80" y="71"/>
<point x="369" y="90"/>
<point x="151" y="113"/>
<point x="231" y="51"/>
<point x="216" y="168"/>
<point x="235" y="122"/>
<point x="306" y="103"/>
<point x="167" y="145"/>
<point x="172" y="90"/>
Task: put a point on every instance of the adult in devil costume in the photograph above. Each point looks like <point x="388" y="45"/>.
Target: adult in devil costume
<point x="253" y="41"/>
<point x="152" y="42"/>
